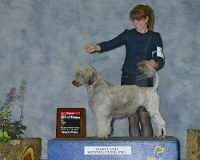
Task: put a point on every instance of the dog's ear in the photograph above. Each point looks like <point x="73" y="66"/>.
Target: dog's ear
<point x="90" y="82"/>
<point x="92" y="78"/>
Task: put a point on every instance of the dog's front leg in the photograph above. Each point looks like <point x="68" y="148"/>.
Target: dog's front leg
<point x="103" y="126"/>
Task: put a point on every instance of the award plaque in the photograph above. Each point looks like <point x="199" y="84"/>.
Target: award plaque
<point x="70" y="122"/>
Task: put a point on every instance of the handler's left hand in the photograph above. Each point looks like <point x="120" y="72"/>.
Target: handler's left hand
<point x="152" y="63"/>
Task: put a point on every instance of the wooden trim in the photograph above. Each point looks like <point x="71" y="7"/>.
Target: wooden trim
<point x="193" y="145"/>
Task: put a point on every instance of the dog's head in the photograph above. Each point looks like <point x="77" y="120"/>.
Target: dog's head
<point x="85" y="75"/>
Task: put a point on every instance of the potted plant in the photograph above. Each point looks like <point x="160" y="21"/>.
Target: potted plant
<point x="12" y="145"/>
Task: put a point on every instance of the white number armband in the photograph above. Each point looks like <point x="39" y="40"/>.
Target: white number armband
<point x="160" y="52"/>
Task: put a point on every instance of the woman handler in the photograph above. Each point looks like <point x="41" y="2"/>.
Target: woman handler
<point x="141" y="43"/>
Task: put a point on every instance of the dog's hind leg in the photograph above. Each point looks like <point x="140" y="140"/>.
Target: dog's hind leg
<point x="153" y="109"/>
<point x="103" y="126"/>
<point x="161" y="124"/>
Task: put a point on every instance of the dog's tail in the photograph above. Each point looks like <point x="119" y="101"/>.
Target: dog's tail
<point x="148" y="71"/>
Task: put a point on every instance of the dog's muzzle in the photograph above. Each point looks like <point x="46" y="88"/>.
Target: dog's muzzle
<point x="75" y="83"/>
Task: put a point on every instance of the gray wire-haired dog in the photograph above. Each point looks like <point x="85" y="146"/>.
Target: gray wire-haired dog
<point x="109" y="101"/>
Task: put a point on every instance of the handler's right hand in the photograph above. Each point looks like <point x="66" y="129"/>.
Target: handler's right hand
<point x="90" y="48"/>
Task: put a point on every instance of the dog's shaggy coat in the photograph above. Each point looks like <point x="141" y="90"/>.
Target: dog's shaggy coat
<point x="109" y="101"/>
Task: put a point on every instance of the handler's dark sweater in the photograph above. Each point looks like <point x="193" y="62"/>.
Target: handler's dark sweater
<point x="138" y="47"/>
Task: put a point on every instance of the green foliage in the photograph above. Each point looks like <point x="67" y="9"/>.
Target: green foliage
<point x="4" y="139"/>
<point x="12" y="130"/>
<point x="4" y="136"/>
<point x="15" y="129"/>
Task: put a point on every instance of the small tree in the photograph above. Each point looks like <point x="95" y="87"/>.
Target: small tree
<point x="12" y="130"/>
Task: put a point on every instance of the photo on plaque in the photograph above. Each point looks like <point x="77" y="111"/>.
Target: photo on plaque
<point x="70" y="122"/>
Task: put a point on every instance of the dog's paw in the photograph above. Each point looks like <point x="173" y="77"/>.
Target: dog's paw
<point x="161" y="137"/>
<point x="102" y="138"/>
